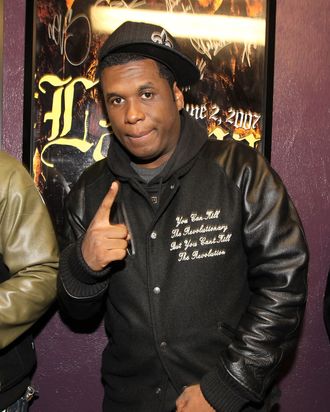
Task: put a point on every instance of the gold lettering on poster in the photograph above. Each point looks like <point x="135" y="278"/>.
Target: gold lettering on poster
<point x="61" y="115"/>
<point x="55" y="115"/>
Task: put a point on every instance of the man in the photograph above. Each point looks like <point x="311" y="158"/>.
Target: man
<point x="196" y="249"/>
<point x="28" y="268"/>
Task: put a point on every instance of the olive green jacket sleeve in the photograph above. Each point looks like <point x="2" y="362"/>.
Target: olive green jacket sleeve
<point x="29" y="249"/>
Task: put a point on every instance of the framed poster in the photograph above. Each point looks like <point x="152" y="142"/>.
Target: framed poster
<point x="231" y="41"/>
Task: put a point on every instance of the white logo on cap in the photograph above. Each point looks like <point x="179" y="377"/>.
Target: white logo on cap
<point x="161" y="38"/>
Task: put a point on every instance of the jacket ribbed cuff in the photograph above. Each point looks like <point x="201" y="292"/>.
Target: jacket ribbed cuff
<point x="78" y="278"/>
<point x="219" y="394"/>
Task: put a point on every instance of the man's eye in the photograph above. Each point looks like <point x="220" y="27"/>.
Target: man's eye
<point x="147" y="95"/>
<point x="116" y="101"/>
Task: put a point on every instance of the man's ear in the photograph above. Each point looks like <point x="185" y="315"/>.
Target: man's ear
<point x="178" y="97"/>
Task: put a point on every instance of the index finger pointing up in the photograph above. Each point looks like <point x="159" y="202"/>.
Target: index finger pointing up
<point x="103" y="212"/>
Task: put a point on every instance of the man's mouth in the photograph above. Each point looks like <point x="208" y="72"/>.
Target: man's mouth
<point x="139" y="135"/>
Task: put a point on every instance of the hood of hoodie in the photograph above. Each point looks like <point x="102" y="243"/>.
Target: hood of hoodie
<point x="193" y="136"/>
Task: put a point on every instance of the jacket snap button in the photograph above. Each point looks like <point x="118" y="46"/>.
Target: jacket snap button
<point x="153" y="235"/>
<point x="156" y="290"/>
<point x="158" y="391"/>
<point x="163" y="346"/>
<point x="172" y="187"/>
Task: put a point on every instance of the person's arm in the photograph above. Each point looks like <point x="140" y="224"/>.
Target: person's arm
<point x="85" y="264"/>
<point x="80" y="290"/>
<point x="278" y="261"/>
<point x="29" y="250"/>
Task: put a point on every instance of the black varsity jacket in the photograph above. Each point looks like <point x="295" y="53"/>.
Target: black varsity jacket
<point x="215" y="290"/>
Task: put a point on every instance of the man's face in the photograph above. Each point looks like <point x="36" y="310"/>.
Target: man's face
<point x="143" y="110"/>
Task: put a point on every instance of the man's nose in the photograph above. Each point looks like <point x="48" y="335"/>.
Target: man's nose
<point x="134" y="112"/>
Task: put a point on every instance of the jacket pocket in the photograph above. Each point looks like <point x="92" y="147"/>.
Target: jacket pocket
<point x="17" y="361"/>
<point x="227" y="331"/>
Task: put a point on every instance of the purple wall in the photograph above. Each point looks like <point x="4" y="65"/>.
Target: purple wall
<point x="13" y="72"/>
<point x="301" y="155"/>
<point x="68" y="370"/>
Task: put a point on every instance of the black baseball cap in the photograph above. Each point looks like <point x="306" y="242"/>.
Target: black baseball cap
<point x="153" y="42"/>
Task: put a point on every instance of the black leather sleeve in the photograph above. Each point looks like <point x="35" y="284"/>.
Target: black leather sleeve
<point x="80" y="290"/>
<point x="277" y="269"/>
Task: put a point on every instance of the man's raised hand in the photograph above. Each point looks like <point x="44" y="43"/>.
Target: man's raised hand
<point x="103" y="242"/>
